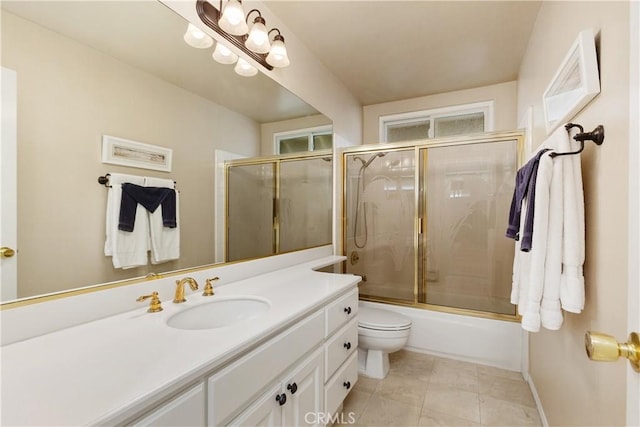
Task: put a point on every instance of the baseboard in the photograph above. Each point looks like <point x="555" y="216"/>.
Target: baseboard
<point x="536" y="398"/>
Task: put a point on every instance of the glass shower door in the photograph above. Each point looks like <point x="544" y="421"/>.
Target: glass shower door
<point x="466" y="260"/>
<point x="305" y="203"/>
<point x="251" y="195"/>
<point x="380" y="205"/>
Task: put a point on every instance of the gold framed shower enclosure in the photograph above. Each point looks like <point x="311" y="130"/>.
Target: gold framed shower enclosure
<point x="421" y="193"/>
<point x="277" y="204"/>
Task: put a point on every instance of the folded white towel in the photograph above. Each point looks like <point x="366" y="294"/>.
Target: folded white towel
<point x="537" y="256"/>
<point x="127" y="249"/>
<point x="550" y="311"/>
<point x="164" y="241"/>
<point x="572" y="285"/>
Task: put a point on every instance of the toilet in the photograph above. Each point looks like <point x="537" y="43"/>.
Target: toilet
<point x="380" y="332"/>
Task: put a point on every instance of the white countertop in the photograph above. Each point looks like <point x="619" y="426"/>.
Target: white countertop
<point x="105" y="371"/>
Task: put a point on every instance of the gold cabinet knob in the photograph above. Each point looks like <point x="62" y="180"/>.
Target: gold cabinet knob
<point x="6" y="252"/>
<point x="154" y="305"/>
<point x="208" y="287"/>
<point x="605" y="348"/>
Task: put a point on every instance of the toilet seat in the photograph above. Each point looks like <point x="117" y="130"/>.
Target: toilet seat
<point x="382" y="320"/>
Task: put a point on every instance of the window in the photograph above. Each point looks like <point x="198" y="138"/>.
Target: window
<point x="312" y="139"/>
<point x="436" y="123"/>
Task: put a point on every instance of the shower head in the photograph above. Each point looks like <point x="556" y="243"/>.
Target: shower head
<point x="359" y="158"/>
<point x="372" y="158"/>
<point x="365" y="164"/>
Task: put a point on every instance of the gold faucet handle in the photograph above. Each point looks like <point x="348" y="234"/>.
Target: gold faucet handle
<point x="208" y="287"/>
<point x="154" y="305"/>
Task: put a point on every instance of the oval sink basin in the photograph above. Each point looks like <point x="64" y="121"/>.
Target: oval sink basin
<point x="219" y="313"/>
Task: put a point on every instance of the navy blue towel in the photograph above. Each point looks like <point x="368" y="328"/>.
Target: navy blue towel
<point x="525" y="189"/>
<point x="150" y="198"/>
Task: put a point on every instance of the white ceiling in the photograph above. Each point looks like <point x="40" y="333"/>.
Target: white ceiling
<point x="391" y="50"/>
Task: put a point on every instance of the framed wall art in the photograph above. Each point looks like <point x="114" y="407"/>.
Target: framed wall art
<point x="119" y="151"/>
<point x="576" y="82"/>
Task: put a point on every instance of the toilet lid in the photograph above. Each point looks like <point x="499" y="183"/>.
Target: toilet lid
<point x="382" y="320"/>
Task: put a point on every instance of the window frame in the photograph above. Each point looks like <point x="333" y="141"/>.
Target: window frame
<point x="486" y="107"/>
<point x="309" y="132"/>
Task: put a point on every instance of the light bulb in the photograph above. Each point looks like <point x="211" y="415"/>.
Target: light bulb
<point x="232" y="19"/>
<point x="223" y="55"/>
<point x="245" y="69"/>
<point x="277" y="56"/>
<point x="258" y="40"/>
<point x="195" y="37"/>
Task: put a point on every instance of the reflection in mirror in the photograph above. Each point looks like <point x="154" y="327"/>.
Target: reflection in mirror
<point x="87" y="69"/>
<point x="278" y="205"/>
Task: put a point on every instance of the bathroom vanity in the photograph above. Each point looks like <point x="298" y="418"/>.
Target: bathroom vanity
<point x="290" y="363"/>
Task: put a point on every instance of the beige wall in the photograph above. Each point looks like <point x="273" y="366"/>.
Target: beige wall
<point x="503" y="95"/>
<point x="69" y="95"/>
<point x="573" y="390"/>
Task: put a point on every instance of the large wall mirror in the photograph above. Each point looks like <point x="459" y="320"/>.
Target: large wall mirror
<point x="87" y="69"/>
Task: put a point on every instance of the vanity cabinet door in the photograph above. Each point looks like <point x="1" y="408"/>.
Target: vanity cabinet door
<point x="185" y="410"/>
<point x="304" y="389"/>
<point x="289" y="402"/>
<point x="266" y="411"/>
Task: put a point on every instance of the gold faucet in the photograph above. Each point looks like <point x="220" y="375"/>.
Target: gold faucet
<point x="179" y="297"/>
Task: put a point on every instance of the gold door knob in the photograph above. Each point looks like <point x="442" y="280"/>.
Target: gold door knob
<point x="6" y="252"/>
<point x="602" y="347"/>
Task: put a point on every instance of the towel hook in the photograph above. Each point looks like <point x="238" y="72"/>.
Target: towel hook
<point x="104" y="180"/>
<point x="596" y="135"/>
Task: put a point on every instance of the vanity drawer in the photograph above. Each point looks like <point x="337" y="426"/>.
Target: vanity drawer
<point x="339" y="347"/>
<point x="231" y="388"/>
<point x="341" y="383"/>
<point x="341" y="311"/>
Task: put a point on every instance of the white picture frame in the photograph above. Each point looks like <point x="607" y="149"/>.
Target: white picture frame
<point x="576" y="82"/>
<point x="124" y="152"/>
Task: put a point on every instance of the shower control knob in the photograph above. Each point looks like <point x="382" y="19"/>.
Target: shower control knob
<point x="281" y="399"/>
<point x="347" y="384"/>
<point x="347" y="310"/>
<point x="292" y="388"/>
<point x="347" y="345"/>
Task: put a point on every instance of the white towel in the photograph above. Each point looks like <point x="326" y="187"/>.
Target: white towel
<point x="534" y="260"/>
<point x="572" y="284"/>
<point x="550" y="311"/>
<point x="544" y="277"/>
<point x="164" y="241"/>
<point x="127" y="249"/>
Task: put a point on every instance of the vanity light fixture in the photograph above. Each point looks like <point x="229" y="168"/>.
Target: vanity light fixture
<point x="258" y="39"/>
<point x="255" y="42"/>
<point x="223" y="55"/>
<point x="245" y="69"/>
<point x="195" y="37"/>
<point x="278" y="54"/>
<point x="232" y="19"/>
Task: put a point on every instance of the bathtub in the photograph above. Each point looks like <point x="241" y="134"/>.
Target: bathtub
<point x="473" y="339"/>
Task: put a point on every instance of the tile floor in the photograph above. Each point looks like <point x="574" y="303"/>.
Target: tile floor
<point x="424" y="390"/>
